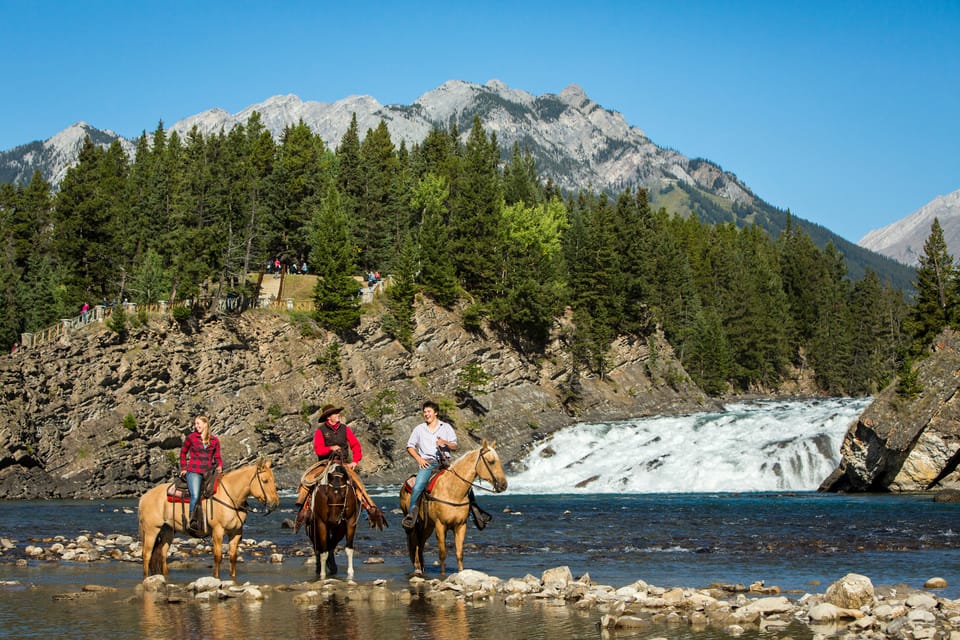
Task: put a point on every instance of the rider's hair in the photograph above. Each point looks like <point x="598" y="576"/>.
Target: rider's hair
<point x="206" y="432"/>
<point x="433" y="405"/>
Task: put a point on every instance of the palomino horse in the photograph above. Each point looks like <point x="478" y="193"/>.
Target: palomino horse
<point x="224" y="513"/>
<point x="335" y="505"/>
<point x="446" y="506"/>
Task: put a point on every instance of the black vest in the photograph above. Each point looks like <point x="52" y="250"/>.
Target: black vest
<point x="338" y="437"/>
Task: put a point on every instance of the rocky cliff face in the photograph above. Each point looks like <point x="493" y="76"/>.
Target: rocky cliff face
<point x="94" y="416"/>
<point x="908" y="445"/>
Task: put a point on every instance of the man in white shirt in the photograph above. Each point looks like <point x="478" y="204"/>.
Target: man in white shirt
<point x="428" y="441"/>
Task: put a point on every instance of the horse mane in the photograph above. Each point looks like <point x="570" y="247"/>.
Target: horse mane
<point x="472" y="457"/>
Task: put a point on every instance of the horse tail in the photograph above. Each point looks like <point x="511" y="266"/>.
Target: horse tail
<point x="156" y="555"/>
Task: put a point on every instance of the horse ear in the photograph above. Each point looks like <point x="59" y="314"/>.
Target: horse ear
<point x="483" y="445"/>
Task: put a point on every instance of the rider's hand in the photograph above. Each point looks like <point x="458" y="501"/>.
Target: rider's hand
<point x="423" y="464"/>
<point x="352" y="465"/>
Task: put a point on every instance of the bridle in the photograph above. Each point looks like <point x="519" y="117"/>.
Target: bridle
<point x="476" y="467"/>
<point x="244" y="507"/>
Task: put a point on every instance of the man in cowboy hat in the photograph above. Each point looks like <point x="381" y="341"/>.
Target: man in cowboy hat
<point x="335" y="440"/>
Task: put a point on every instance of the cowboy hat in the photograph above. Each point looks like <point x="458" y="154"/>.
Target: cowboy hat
<point x="328" y="410"/>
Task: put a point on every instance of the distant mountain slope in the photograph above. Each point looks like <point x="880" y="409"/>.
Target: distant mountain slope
<point x="576" y="143"/>
<point x="903" y="240"/>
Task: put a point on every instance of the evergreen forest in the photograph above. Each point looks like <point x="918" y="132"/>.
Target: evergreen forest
<point x="456" y="220"/>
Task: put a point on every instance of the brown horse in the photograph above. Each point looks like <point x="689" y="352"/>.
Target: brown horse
<point x="336" y="511"/>
<point x="224" y="514"/>
<point x="447" y="506"/>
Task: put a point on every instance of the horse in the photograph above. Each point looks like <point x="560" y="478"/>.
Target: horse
<point x="335" y="508"/>
<point x="446" y="506"/>
<point x="224" y="514"/>
<point x="335" y="514"/>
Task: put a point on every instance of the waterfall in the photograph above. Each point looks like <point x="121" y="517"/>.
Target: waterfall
<point x="749" y="446"/>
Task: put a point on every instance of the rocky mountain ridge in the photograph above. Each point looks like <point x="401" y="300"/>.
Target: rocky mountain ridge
<point x="92" y="415"/>
<point x="903" y="240"/>
<point x="575" y="142"/>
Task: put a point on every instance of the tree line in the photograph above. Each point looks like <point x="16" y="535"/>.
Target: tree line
<point x="456" y="220"/>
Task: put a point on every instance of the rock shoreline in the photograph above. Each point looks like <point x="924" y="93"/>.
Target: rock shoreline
<point x="849" y="607"/>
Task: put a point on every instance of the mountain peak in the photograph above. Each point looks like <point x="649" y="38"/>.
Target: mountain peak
<point x="903" y="240"/>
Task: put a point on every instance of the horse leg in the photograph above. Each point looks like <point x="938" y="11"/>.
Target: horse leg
<point x="160" y="552"/>
<point x="442" y="546"/>
<point x="148" y="538"/>
<point x="320" y="546"/>
<point x="458" y="536"/>
<point x="351" y="530"/>
<point x="218" y="553"/>
<point x="332" y="540"/>
<point x="234" y="549"/>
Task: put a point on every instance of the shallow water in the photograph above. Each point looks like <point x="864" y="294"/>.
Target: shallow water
<point x="797" y="541"/>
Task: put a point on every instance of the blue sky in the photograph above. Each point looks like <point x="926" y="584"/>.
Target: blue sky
<point x="847" y="113"/>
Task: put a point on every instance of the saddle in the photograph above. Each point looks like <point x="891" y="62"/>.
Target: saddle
<point x="177" y="491"/>
<point x="408" y="485"/>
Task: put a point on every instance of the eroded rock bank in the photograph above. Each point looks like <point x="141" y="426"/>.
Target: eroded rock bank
<point x="906" y="444"/>
<point x="94" y="415"/>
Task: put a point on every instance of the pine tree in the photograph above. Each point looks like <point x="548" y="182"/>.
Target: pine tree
<point x="520" y="182"/>
<point x="402" y="293"/>
<point x="10" y="312"/>
<point x="82" y="243"/>
<point x="436" y="270"/>
<point x="475" y="213"/>
<point x="831" y="348"/>
<point x="350" y="178"/>
<point x="380" y="220"/>
<point x="302" y="172"/>
<point x="331" y="256"/>
<point x="936" y="300"/>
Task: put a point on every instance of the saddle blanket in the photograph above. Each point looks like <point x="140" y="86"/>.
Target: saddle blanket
<point x="408" y="485"/>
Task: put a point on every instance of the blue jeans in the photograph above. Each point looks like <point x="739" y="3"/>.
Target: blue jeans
<point x="420" y="485"/>
<point x="193" y="484"/>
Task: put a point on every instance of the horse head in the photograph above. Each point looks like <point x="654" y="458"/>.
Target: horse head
<point x="263" y="485"/>
<point x="489" y="467"/>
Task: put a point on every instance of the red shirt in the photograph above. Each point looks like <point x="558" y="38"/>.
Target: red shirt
<point x="323" y="450"/>
<point x="196" y="458"/>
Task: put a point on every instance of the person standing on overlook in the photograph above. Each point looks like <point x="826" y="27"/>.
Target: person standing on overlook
<point x="199" y="454"/>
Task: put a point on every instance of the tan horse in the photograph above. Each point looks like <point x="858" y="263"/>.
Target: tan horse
<point x="447" y="506"/>
<point x="224" y="513"/>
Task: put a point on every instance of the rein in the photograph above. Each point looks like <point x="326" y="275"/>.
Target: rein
<point x="467" y="482"/>
<point x="244" y="507"/>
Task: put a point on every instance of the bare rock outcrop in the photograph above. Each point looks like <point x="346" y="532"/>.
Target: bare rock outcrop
<point x="901" y="444"/>
<point x="92" y="415"/>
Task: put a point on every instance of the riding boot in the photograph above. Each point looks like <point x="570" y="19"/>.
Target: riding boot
<point x="480" y="517"/>
<point x="410" y="520"/>
<point x="303" y="514"/>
